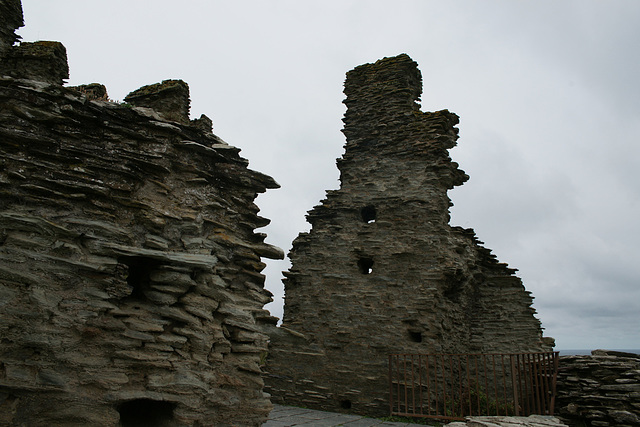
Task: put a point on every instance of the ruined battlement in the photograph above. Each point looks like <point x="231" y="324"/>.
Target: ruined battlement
<point x="130" y="270"/>
<point x="12" y="19"/>
<point x="387" y="89"/>
<point x="381" y="271"/>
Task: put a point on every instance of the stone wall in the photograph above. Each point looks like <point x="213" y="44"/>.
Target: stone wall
<point x="130" y="284"/>
<point x="10" y="20"/>
<point x="599" y="390"/>
<point x="381" y="270"/>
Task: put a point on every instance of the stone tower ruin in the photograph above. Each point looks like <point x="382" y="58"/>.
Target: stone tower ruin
<point x="381" y="270"/>
<point x="130" y="284"/>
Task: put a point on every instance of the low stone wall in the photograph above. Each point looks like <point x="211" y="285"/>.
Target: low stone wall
<point x="599" y="390"/>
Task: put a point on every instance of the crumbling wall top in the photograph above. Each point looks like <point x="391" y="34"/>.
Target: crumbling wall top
<point x="11" y="13"/>
<point x="170" y="99"/>
<point x="93" y="91"/>
<point x="383" y="111"/>
<point x="381" y="92"/>
<point x="44" y="61"/>
<point x="387" y="79"/>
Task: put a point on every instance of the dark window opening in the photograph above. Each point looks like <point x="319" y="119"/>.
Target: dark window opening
<point x="365" y="265"/>
<point x="368" y="214"/>
<point x="454" y="285"/>
<point x="345" y="404"/>
<point x="415" y="336"/>
<point x="146" y="413"/>
<point x="138" y="275"/>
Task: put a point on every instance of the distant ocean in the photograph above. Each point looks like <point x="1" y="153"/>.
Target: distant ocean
<point x="588" y="352"/>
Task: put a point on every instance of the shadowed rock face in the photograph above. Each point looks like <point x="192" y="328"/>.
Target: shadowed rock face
<point x="11" y="14"/>
<point x="130" y="284"/>
<point x="381" y="270"/>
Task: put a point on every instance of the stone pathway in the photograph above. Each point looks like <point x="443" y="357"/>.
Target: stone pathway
<point x="289" y="416"/>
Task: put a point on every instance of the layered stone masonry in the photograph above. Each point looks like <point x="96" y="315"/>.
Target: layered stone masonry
<point x="12" y="19"/>
<point x="130" y="272"/>
<point x="599" y="390"/>
<point x="381" y="270"/>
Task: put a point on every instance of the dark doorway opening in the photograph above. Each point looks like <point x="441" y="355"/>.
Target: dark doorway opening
<point x="345" y="404"/>
<point x="146" y="413"/>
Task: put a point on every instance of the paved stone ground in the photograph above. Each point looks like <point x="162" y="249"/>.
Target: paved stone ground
<point x="287" y="416"/>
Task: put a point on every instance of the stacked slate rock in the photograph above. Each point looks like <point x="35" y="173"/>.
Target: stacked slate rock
<point x="130" y="284"/>
<point x="11" y="20"/>
<point x="600" y="390"/>
<point x="381" y="270"/>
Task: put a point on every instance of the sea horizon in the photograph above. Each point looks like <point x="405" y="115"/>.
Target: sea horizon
<point x="587" y="352"/>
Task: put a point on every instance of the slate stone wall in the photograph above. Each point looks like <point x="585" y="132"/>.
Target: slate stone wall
<point x="381" y="270"/>
<point x="599" y="390"/>
<point x="130" y="284"/>
<point x="10" y="20"/>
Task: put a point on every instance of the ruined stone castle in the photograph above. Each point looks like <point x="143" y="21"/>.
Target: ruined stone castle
<point x="130" y="269"/>
<point x="130" y="284"/>
<point x="381" y="270"/>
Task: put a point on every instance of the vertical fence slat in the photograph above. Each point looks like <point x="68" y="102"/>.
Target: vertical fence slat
<point x="428" y="385"/>
<point x="504" y="383"/>
<point x="404" y="377"/>
<point x="554" y="382"/>
<point x="486" y="381"/>
<point x="391" y="399"/>
<point x="468" y="384"/>
<point x="453" y="384"/>
<point x="524" y="396"/>
<point x="420" y="384"/>
<point x="460" y="386"/>
<point x="514" y="385"/>
<point x="547" y="383"/>
<point x="444" y="384"/>
<point x="495" y="384"/>
<point x="435" y="384"/>
<point x="413" y="386"/>
<point x="537" y="384"/>
<point x="548" y="391"/>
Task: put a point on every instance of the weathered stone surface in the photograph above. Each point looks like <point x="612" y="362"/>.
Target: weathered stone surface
<point x="125" y="291"/>
<point x="599" y="390"/>
<point x="43" y="61"/>
<point x="381" y="270"/>
<point x="530" y="421"/>
<point x="93" y="91"/>
<point x="170" y="99"/>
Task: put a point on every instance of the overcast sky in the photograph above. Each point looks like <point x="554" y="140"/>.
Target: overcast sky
<point x="548" y="93"/>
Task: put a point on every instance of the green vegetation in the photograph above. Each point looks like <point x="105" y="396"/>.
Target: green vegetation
<point x="476" y="402"/>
